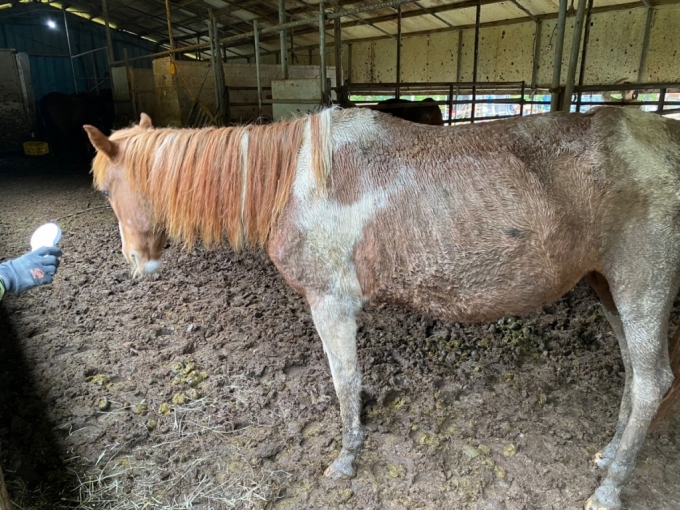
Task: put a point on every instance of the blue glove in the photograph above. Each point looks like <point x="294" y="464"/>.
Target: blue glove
<point x="30" y="270"/>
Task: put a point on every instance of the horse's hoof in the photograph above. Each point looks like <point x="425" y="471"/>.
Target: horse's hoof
<point x="341" y="468"/>
<point x="605" y="498"/>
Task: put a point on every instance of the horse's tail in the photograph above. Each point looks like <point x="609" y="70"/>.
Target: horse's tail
<point x="673" y="394"/>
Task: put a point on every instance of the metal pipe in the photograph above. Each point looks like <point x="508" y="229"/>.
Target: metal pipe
<point x="70" y="53"/>
<point x="257" y="68"/>
<point x="322" y="51"/>
<point x="218" y="69"/>
<point x="459" y="56"/>
<point x="645" y="44"/>
<point x="662" y="100"/>
<point x="130" y="84"/>
<point x="94" y="73"/>
<point x="349" y="63"/>
<point x="584" y="55"/>
<point x="282" y="39"/>
<point x="109" y="43"/>
<point x="537" y="54"/>
<point x="478" y="15"/>
<point x="337" y="31"/>
<point x="398" y="92"/>
<point x="88" y="52"/>
<point x="557" y="62"/>
<point x="573" y="58"/>
<point x="524" y="10"/>
<point x="275" y="29"/>
<point x="167" y="15"/>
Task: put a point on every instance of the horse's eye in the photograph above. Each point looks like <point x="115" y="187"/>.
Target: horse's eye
<point x="105" y="193"/>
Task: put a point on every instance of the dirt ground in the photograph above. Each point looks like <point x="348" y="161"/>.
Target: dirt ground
<point x="207" y="387"/>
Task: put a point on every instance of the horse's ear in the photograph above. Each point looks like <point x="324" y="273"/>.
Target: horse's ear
<point x="101" y="142"/>
<point x="145" y="122"/>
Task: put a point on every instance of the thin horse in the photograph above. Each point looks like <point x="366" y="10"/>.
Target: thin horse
<point x="466" y="224"/>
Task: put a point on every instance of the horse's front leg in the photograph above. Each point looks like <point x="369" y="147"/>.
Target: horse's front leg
<point x="335" y="320"/>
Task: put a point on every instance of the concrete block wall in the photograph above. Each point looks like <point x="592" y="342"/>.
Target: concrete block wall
<point x="506" y="52"/>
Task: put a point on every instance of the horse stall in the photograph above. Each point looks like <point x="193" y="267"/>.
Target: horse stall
<point x="17" y="107"/>
<point x="223" y="374"/>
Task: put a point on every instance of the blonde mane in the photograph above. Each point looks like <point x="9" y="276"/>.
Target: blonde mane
<point x="211" y="182"/>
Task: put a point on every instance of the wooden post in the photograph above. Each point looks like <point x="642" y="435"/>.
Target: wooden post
<point x="167" y="15"/>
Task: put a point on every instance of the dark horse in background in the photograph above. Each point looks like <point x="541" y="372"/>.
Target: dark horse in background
<point x="424" y="113"/>
<point x="60" y="119"/>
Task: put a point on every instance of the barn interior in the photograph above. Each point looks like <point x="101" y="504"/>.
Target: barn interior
<point x="478" y="60"/>
<point x="198" y="63"/>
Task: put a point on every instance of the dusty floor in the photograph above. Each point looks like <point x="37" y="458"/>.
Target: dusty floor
<point x="97" y="409"/>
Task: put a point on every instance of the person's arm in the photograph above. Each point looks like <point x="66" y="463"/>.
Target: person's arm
<point x="30" y="270"/>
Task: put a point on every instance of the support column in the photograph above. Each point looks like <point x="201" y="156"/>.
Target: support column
<point x="573" y="57"/>
<point x="478" y="15"/>
<point x="337" y="31"/>
<point x="256" y="32"/>
<point x="70" y="53"/>
<point x="322" y="53"/>
<point x="557" y="62"/>
<point x="218" y="68"/>
<point x="167" y="15"/>
<point x="398" y="91"/>
<point x="282" y="39"/>
<point x="645" y="44"/>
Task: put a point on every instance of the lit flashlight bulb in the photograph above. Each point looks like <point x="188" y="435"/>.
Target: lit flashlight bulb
<point x="46" y="235"/>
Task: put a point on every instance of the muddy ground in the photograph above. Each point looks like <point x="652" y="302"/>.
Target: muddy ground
<point x="207" y="387"/>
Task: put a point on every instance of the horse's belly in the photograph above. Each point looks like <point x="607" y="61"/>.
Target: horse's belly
<point x="469" y="274"/>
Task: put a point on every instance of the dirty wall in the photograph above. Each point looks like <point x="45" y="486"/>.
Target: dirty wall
<point x="177" y="88"/>
<point x="506" y="52"/>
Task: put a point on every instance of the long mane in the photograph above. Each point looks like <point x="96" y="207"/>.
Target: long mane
<point x="214" y="182"/>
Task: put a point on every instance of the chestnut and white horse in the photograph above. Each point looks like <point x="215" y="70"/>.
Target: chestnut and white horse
<point x="471" y="223"/>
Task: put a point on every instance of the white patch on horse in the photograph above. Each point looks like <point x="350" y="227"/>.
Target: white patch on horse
<point x="122" y="234"/>
<point x="152" y="266"/>
<point x="332" y="230"/>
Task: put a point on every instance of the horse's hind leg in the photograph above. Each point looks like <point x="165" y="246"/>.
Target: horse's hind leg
<point x="601" y="288"/>
<point x="643" y="286"/>
<point x="335" y="320"/>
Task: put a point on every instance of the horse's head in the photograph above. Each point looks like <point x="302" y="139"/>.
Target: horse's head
<point x="142" y="241"/>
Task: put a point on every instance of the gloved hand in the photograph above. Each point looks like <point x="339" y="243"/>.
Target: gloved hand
<point x="30" y="270"/>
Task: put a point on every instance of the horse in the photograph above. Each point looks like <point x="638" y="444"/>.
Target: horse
<point x="60" y="118"/>
<point x="469" y="225"/>
<point x="421" y="112"/>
